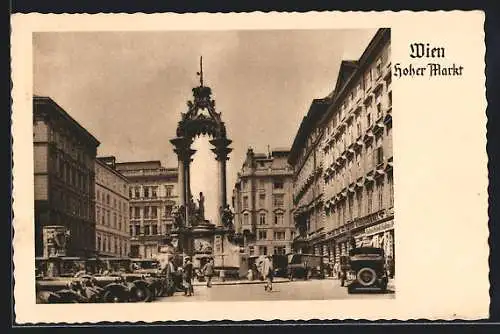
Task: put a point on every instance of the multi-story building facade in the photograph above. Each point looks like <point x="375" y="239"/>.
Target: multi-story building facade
<point x="356" y="146"/>
<point x="306" y="157"/>
<point x="112" y="209"/>
<point x="153" y="195"/>
<point x="262" y="203"/>
<point x="64" y="181"/>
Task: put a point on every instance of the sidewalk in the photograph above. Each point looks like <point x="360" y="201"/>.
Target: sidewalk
<point x="243" y="281"/>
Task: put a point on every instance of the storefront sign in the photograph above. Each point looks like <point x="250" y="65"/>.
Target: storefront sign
<point x="382" y="227"/>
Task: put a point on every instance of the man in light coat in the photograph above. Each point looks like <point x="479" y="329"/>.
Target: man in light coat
<point x="267" y="273"/>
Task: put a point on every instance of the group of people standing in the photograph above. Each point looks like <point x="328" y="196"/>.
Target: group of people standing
<point x="184" y="275"/>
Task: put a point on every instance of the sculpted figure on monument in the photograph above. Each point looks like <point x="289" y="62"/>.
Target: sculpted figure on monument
<point x="201" y="206"/>
<point x="178" y="214"/>
<point x="227" y="217"/>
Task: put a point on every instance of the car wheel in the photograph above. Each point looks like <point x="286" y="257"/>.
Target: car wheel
<point x="366" y="276"/>
<point x="142" y="294"/>
<point x="112" y="297"/>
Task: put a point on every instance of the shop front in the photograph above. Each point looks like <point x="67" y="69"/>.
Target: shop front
<point x="381" y="235"/>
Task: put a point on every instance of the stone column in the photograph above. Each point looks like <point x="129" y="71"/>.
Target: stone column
<point x="221" y="151"/>
<point x="181" y="180"/>
<point x="184" y="153"/>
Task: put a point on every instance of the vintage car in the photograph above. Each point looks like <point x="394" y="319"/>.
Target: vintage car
<point x="305" y="266"/>
<point x="367" y="264"/>
<point x="59" y="280"/>
<point x="280" y="265"/>
<point x="141" y="287"/>
<point x="151" y="269"/>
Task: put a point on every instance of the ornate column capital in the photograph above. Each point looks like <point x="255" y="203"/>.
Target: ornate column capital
<point x="183" y="148"/>
<point x="222" y="148"/>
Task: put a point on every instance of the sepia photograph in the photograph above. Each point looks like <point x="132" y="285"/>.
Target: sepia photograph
<point x="219" y="166"/>
<point x="238" y="167"/>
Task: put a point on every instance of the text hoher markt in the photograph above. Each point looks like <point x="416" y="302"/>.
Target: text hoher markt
<point x="436" y="68"/>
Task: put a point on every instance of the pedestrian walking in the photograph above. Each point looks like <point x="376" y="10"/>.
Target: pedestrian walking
<point x="267" y="273"/>
<point x="208" y="271"/>
<point x="188" y="277"/>
<point x="169" y="272"/>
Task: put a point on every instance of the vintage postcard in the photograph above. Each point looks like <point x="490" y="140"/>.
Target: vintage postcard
<point x="249" y="166"/>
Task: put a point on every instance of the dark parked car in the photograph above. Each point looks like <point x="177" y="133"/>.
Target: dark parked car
<point x="60" y="280"/>
<point x="305" y="266"/>
<point x="367" y="265"/>
<point x="142" y="287"/>
<point x="151" y="270"/>
<point x="280" y="265"/>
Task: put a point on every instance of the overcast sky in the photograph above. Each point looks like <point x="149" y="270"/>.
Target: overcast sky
<point x="129" y="88"/>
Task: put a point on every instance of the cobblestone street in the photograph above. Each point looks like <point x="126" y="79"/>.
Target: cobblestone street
<point x="296" y="290"/>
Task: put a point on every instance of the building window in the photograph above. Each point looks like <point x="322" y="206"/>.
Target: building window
<point x="146" y="212"/>
<point x="378" y="68"/>
<point x="292" y="235"/>
<point x="251" y="250"/>
<point x="155" y="229"/>
<point x="137" y="229"/>
<point x="262" y="184"/>
<point x="147" y="230"/>
<point x="380" y="155"/>
<point x="131" y="230"/>
<point x="279" y="250"/>
<point x="262" y="219"/>
<point x="114" y="203"/>
<point x="98" y="215"/>
<point x="137" y="212"/>
<point x="351" y="204"/>
<point x="108" y="217"/>
<point x="246" y="219"/>
<point x="380" y="195"/>
<point x="154" y="191"/>
<point x="115" y="222"/>
<point x="245" y="202"/>
<point x="278" y="218"/>
<point x="280" y="235"/>
<point x="108" y="199"/>
<point x="168" y="191"/>
<point x="146" y="192"/>
<point x="278" y="200"/>
<point x="154" y="212"/>
<point x="262" y="200"/>
<point x="391" y="189"/>
<point x="278" y="184"/>
<point x="137" y="192"/>
<point x="262" y="235"/>
<point x="379" y="110"/>
<point x="120" y="222"/>
<point x="359" y="200"/>
<point x="99" y="246"/>
<point x="369" y="194"/>
<point x="262" y="250"/>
